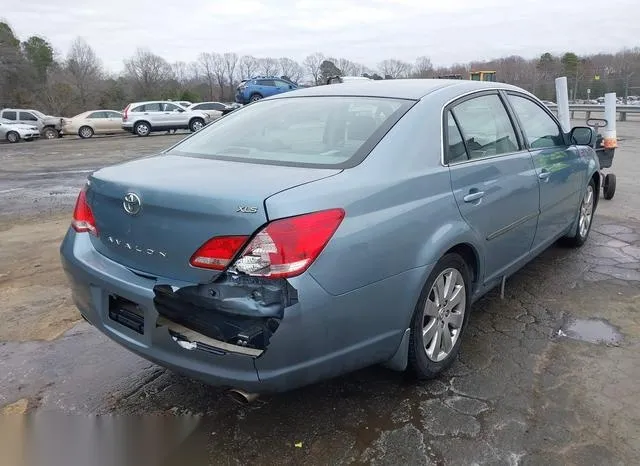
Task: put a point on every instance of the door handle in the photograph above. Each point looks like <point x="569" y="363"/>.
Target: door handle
<point x="471" y="197"/>
<point x="544" y="175"/>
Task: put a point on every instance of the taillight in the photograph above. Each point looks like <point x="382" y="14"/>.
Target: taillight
<point x="287" y="247"/>
<point x="125" y="113"/>
<point x="83" y="220"/>
<point x="217" y="252"/>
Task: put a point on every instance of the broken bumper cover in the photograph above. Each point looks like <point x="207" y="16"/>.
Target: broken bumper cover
<point x="293" y="334"/>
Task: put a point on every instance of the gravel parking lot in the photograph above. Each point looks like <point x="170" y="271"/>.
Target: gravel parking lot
<point x="547" y="375"/>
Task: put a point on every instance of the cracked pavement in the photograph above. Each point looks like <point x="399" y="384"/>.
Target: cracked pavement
<point x="524" y="390"/>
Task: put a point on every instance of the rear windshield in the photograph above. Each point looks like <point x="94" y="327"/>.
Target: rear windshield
<point x="329" y="131"/>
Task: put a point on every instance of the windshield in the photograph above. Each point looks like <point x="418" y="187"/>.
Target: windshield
<point x="304" y="131"/>
<point x="38" y="114"/>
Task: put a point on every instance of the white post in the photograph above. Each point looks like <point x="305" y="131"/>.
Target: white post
<point x="562" y="99"/>
<point x="610" y="140"/>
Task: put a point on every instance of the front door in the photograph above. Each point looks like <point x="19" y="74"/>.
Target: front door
<point x="559" y="168"/>
<point x="493" y="180"/>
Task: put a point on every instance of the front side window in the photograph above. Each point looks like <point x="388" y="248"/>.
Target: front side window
<point x="539" y="128"/>
<point x="485" y="126"/>
<point x="26" y="116"/>
<point x="170" y="108"/>
<point x="305" y="131"/>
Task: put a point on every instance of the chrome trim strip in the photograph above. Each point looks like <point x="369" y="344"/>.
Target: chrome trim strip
<point x="515" y="224"/>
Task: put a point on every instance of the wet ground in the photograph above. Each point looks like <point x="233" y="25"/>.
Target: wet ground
<point x="547" y="375"/>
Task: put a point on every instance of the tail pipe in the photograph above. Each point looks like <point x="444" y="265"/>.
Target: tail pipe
<point x="241" y="397"/>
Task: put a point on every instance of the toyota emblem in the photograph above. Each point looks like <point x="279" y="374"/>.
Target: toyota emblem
<point x="131" y="203"/>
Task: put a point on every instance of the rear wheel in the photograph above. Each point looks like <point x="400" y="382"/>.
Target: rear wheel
<point x="440" y="318"/>
<point x="13" y="137"/>
<point x="142" y="128"/>
<point x="609" y="186"/>
<point x="85" y="132"/>
<point x="50" y="133"/>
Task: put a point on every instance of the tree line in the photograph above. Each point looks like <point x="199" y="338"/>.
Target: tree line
<point x="32" y="75"/>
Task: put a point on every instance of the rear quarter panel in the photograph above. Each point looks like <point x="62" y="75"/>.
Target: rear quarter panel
<point x="400" y="209"/>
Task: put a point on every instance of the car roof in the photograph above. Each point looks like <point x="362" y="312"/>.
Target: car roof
<point x="413" y="89"/>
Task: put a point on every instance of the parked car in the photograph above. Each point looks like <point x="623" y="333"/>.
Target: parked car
<point x="15" y="132"/>
<point x="215" y="109"/>
<point x="301" y="238"/>
<point x="49" y="126"/>
<point x="87" y="124"/>
<point x="143" y="118"/>
<point x="259" y="87"/>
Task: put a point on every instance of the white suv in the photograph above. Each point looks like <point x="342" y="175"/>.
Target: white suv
<point x="142" y="118"/>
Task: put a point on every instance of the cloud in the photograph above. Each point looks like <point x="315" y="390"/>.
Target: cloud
<point x="367" y="31"/>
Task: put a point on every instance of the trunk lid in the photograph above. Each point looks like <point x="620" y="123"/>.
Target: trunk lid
<point x="184" y="201"/>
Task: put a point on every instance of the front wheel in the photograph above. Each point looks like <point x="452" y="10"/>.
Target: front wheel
<point x="196" y="124"/>
<point x="50" y="133"/>
<point x="85" y="132"/>
<point x="585" y="217"/>
<point x="255" y="98"/>
<point x="440" y="318"/>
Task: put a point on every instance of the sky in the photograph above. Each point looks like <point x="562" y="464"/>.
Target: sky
<point x="365" y="31"/>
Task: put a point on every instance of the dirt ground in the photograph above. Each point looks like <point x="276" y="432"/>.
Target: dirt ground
<point x="548" y="375"/>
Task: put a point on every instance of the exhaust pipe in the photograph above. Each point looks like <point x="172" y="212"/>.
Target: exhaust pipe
<point x="241" y="397"/>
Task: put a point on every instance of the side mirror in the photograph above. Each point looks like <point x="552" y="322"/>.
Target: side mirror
<point x="581" y="136"/>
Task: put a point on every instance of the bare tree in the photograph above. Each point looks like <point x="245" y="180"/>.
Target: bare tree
<point x="268" y="66"/>
<point x="312" y="64"/>
<point x="230" y="63"/>
<point x="395" y="68"/>
<point x="423" y="67"/>
<point x="149" y="72"/>
<point x="84" y="69"/>
<point x="248" y="66"/>
<point x="291" y="69"/>
<point x="220" y="73"/>
<point x="181" y="72"/>
<point x="208" y="65"/>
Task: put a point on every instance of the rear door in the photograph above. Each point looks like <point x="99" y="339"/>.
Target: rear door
<point x="559" y="167"/>
<point x="493" y="179"/>
<point x="152" y="113"/>
<point x="114" y="121"/>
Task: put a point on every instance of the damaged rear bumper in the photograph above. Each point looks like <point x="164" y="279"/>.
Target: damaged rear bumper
<point x="243" y="332"/>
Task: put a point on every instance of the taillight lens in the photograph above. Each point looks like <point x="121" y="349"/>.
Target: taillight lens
<point x="287" y="247"/>
<point x="217" y="252"/>
<point x="125" y="114"/>
<point x="83" y="220"/>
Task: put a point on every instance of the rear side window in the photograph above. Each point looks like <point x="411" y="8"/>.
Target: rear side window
<point x="98" y="115"/>
<point x="26" y="116"/>
<point x="485" y="126"/>
<point x="456" y="151"/>
<point x="114" y="115"/>
<point x="9" y="115"/>
<point x="539" y="128"/>
<point x="305" y="131"/>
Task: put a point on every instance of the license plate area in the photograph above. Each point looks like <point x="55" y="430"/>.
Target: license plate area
<point x="126" y="313"/>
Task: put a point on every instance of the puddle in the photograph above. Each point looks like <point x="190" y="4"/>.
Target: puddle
<point x="591" y="330"/>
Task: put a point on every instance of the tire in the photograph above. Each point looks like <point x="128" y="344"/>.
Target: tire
<point x="609" y="186"/>
<point x="13" y="137"/>
<point x="196" y="124"/>
<point x="142" y="128"/>
<point x="585" y="217"/>
<point x="50" y="133"/>
<point x="430" y="356"/>
<point x="255" y="97"/>
<point x="85" y="132"/>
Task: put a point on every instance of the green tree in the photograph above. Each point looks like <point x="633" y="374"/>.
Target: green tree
<point x="327" y="70"/>
<point x="39" y="53"/>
